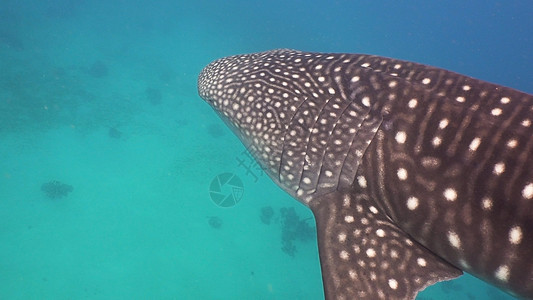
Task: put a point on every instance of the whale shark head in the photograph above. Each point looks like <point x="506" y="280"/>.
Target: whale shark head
<point x="282" y="106"/>
<point x="258" y="105"/>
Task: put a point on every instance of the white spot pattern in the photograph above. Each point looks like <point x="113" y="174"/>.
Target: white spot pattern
<point x="342" y="237"/>
<point x="474" y="144"/>
<point x="344" y="255"/>
<point x="486" y="203"/>
<point x="366" y="101"/>
<point x="499" y="168"/>
<point x="450" y="194"/>
<point x="393" y="283"/>
<point x="361" y="180"/>
<point x="512" y="143"/>
<point x="401" y="137"/>
<point x="502" y="273"/>
<point x="436" y="141"/>
<point x="370" y="252"/>
<point x="454" y="239"/>
<point x="443" y="123"/>
<point x="527" y="192"/>
<point x="412" y="203"/>
<point x="421" y="262"/>
<point x="402" y="174"/>
<point x="496" y="111"/>
<point x="515" y="235"/>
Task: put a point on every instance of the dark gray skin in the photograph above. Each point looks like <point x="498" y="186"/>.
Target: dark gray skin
<point x="414" y="173"/>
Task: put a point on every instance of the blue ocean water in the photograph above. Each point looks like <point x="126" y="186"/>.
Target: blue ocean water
<point x="101" y="96"/>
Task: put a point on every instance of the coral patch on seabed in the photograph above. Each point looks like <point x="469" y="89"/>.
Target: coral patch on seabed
<point x="114" y="133"/>
<point x="55" y="189"/>
<point x="154" y="96"/>
<point x="215" y="130"/>
<point x="294" y="229"/>
<point x="98" y="70"/>
<point x="215" y="222"/>
<point x="266" y="214"/>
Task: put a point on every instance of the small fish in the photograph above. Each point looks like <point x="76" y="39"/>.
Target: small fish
<point x="414" y="174"/>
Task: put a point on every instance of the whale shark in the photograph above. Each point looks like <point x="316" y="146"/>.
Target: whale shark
<point x="414" y="174"/>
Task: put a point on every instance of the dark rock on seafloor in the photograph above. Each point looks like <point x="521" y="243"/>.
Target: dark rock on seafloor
<point x="266" y="214"/>
<point x="55" y="189"/>
<point x="215" y="222"/>
<point x="98" y="69"/>
<point x="114" y="133"/>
